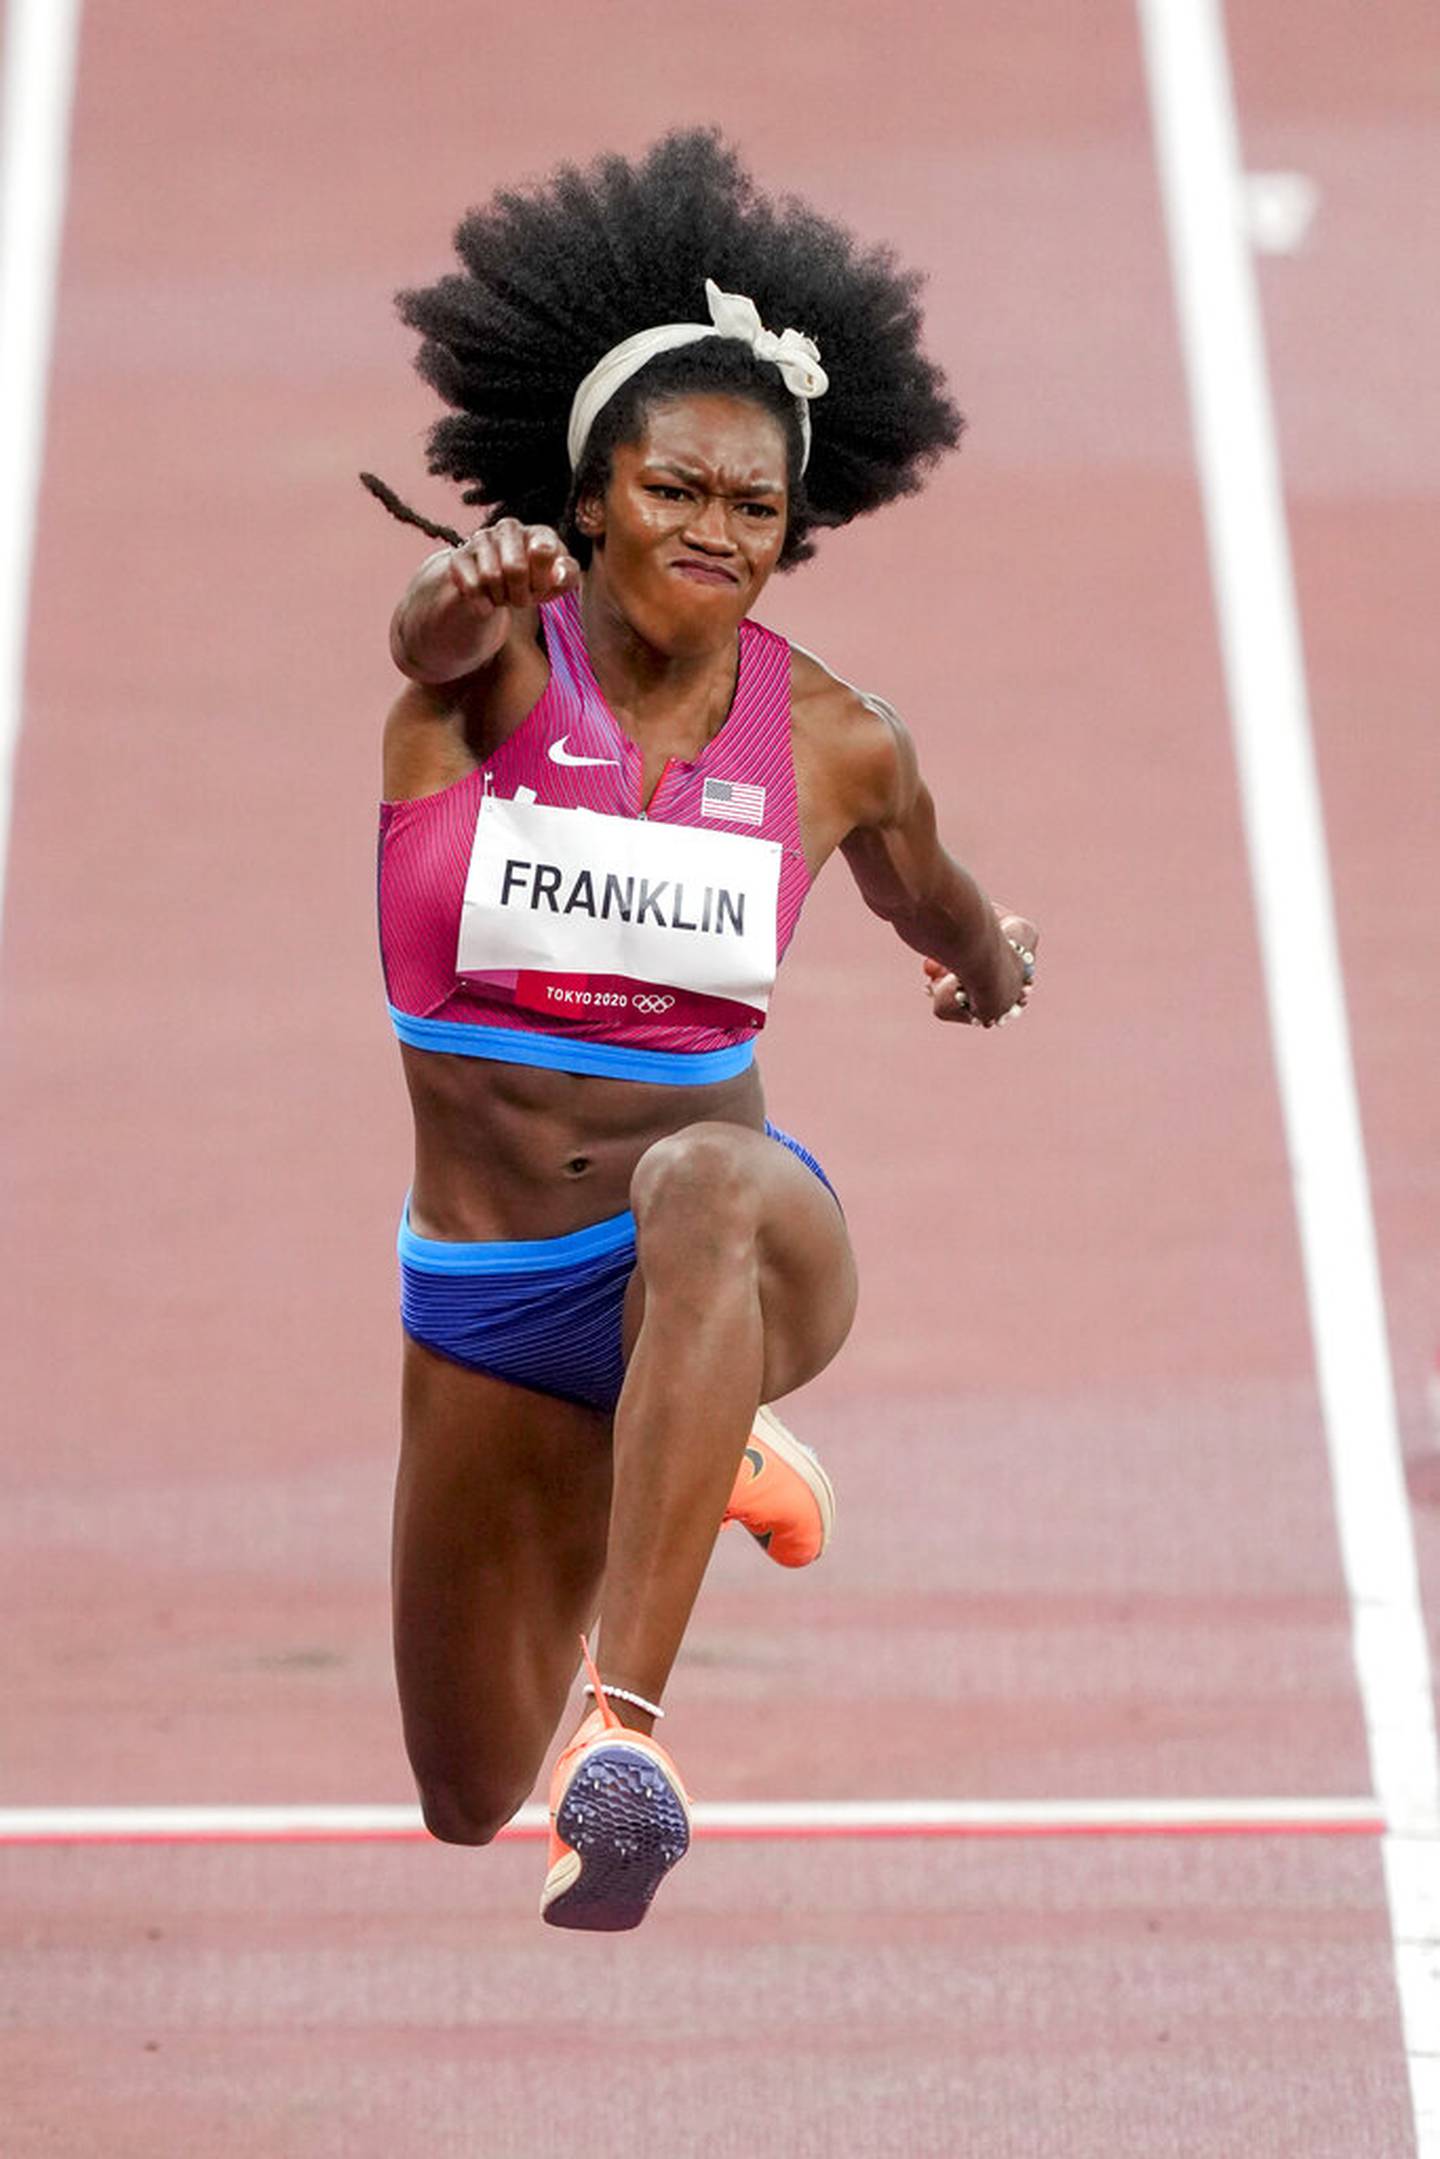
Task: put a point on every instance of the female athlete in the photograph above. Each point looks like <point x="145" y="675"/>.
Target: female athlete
<point x="607" y="791"/>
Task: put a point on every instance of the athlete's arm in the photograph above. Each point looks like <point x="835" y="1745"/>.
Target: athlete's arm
<point x="908" y="878"/>
<point x="456" y="613"/>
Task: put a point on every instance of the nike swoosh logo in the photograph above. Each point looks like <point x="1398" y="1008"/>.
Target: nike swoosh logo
<point x="559" y="755"/>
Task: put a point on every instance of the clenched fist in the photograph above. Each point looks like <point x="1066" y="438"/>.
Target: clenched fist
<point x="457" y="610"/>
<point x="514" y="565"/>
<point x="971" y="1004"/>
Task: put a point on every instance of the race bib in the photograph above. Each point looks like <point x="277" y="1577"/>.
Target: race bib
<point x="572" y="893"/>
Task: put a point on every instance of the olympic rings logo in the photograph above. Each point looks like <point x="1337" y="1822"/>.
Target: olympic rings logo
<point x="653" y="1004"/>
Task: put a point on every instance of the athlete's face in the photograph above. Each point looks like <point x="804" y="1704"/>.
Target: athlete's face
<point x="693" y="520"/>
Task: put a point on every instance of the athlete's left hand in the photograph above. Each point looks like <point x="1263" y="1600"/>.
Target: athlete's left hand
<point x="947" y="996"/>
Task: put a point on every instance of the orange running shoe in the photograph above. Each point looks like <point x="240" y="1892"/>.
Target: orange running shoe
<point x="619" y="1821"/>
<point x="782" y="1495"/>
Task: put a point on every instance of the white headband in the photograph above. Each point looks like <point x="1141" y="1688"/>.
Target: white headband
<point x="731" y="315"/>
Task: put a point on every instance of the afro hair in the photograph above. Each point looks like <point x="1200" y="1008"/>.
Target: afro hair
<point x="556" y="275"/>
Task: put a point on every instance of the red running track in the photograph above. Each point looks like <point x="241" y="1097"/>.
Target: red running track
<point x="1086" y="1544"/>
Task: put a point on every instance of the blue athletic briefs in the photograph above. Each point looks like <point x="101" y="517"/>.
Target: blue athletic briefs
<point x="544" y="1313"/>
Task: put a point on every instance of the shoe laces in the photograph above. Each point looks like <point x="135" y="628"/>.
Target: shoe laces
<point x="602" y="1701"/>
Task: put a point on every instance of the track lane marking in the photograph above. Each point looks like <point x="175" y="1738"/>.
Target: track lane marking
<point x="748" y="1820"/>
<point x="1204" y="195"/>
<point x="41" y="38"/>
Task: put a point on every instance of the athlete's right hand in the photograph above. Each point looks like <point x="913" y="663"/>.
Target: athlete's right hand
<point x="513" y="565"/>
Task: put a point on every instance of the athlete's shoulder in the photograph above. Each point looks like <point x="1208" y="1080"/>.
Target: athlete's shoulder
<point x="854" y="736"/>
<point x="826" y="699"/>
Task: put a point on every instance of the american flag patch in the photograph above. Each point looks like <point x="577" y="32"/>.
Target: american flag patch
<point x="733" y="800"/>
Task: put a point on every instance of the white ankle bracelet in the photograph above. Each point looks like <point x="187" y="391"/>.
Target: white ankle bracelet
<point x="623" y="1694"/>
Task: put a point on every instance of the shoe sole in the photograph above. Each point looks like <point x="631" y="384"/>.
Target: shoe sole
<point x="626" y="1826"/>
<point x="806" y="1466"/>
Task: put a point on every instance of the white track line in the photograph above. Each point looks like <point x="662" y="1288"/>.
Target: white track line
<point x="40" y="44"/>
<point x="1204" y="192"/>
<point x="758" y="1820"/>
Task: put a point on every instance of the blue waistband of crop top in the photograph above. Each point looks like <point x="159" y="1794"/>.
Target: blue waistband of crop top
<point x="603" y="1060"/>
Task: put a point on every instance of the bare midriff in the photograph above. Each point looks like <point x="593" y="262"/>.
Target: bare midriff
<point x="516" y="1151"/>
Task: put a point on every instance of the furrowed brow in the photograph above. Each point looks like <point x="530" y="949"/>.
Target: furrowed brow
<point x="692" y="478"/>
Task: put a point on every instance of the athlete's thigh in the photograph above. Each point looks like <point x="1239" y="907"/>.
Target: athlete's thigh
<point x="501" y="1512"/>
<point x="795" y="1232"/>
<point x="807" y="1271"/>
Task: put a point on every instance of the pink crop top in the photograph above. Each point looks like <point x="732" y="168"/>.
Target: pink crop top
<point x="534" y="913"/>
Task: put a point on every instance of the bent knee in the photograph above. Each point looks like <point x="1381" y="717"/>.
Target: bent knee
<point x="706" y="1170"/>
<point x="459" y="1814"/>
